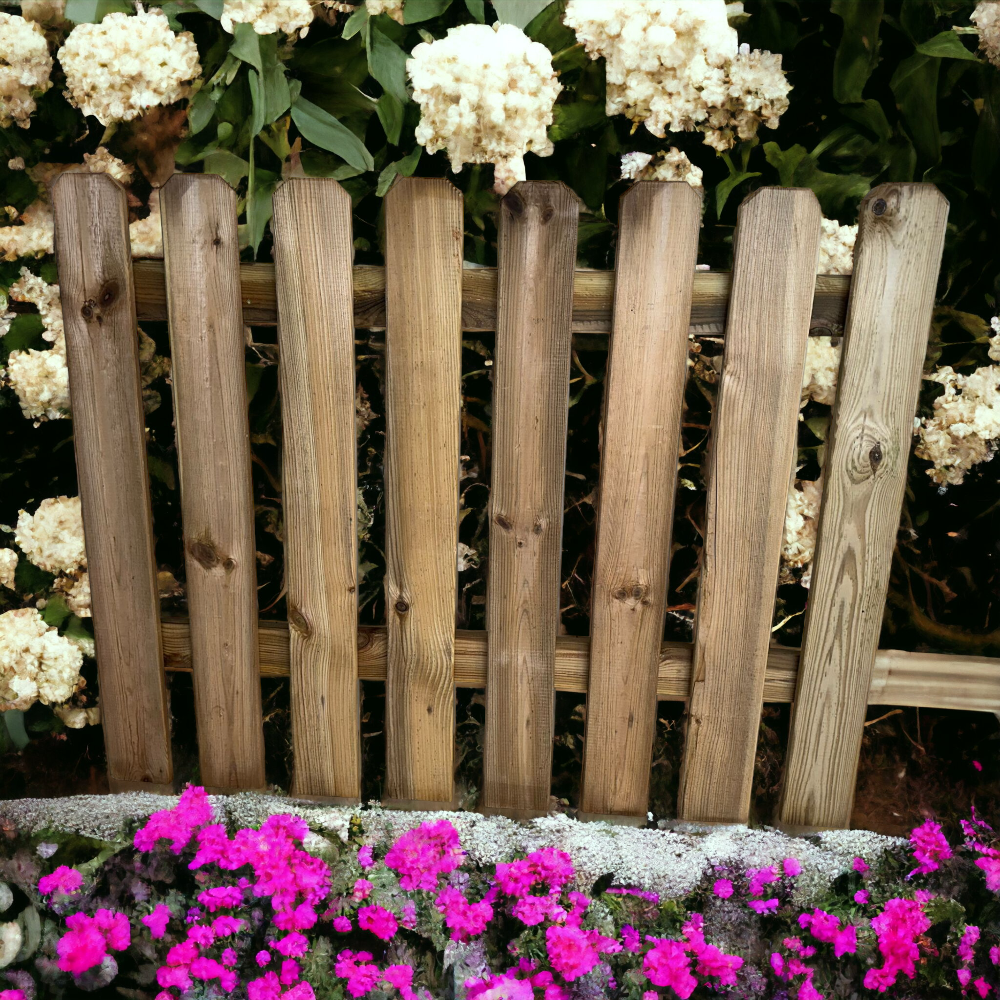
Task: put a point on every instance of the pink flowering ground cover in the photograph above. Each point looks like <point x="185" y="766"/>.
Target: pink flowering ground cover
<point x="191" y="910"/>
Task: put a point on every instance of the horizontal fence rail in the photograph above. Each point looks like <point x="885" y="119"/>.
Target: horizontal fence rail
<point x="535" y="302"/>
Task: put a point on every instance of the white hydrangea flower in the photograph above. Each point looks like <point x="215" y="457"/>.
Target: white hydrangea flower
<point x="77" y="718"/>
<point x="117" y="69"/>
<point x="486" y="96"/>
<point x="986" y="17"/>
<point x="836" y="248"/>
<point x="965" y="426"/>
<point x="33" y="235"/>
<point x="52" y="537"/>
<point x="8" y="564"/>
<point x="394" y="8"/>
<point x="269" y="16"/>
<point x="468" y="557"/>
<point x="801" y="521"/>
<point x="995" y="339"/>
<point x="145" y="235"/>
<point x="85" y="644"/>
<point x="77" y="591"/>
<point x="25" y="68"/>
<point x="36" y="662"/>
<point x="670" y="166"/>
<point x="675" y="65"/>
<point x="819" y="377"/>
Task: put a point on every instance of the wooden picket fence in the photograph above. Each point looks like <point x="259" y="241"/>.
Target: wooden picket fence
<point x="535" y="301"/>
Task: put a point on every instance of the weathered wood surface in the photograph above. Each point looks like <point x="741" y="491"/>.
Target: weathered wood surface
<point x="423" y="226"/>
<point x="921" y="680"/>
<point x="213" y="449"/>
<point x="754" y="434"/>
<point x="643" y="403"/>
<point x="896" y="263"/>
<point x="313" y="250"/>
<point x="102" y="348"/>
<point x="537" y="251"/>
<point x="593" y="292"/>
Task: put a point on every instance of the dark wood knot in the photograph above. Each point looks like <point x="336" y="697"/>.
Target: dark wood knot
<point x="879" y="206"/>
<point x="502" y="522"/>
<point x="298" y="621"/>
<point x="401" y="606"/>
<point x="513" y="204"/>
<point x="875" y="457"/>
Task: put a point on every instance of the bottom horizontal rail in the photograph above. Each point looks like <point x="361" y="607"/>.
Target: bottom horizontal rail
<point x="916" y="680"/>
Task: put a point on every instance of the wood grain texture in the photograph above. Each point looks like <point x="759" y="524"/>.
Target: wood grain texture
<point x="213" y="450"/>
<point x="313" y="250"/>
<point x="423" y="342"/>
<point x="102" y="348"/>
<point x="900" y="241"/>
<point x="752" y="455"/>
<point x="917" y="680"/>
<point x="593" y="294"/>
<point x="537" y="251"/>
<point x="643" y="402"/>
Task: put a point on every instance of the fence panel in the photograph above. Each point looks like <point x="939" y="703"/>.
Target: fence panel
<point x="201" y="251"/>
<point x="423" y="240"/>
<point x="900" y="242"/>
<point x="752" y="456"/>
<point x="644" y="398"/>
<point x="95" y="279"/>
<point x="538" y="223"/>
<point x="313" y="251"/>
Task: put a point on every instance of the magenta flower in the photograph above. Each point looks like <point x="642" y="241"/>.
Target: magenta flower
<point x="571" y="953"/>
<point x="64" y="879"/>
<point x="463" y="919"/>
<point x="929" y="847"/>
<point x="897" y="928"/>
<point x="668" y="964"/>
<point x="420" y="856"/>
<point x="861" y="896"/>
<point x="859" y="865"/>
<point x="791" y="867"/>
<point x="342" y="924"/>
<point x="178" y="824"/>
<point x="157" y="920"/>
<point x="366" y="857"/>
<point x="378" y="920"/>
<point x="723" y="888"/>
<point x="82" y="947"/>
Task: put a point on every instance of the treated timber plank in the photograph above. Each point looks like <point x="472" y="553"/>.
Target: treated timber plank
<point x="537" y="250"/>
<point x="900" y="241"/>
<point x="313" y="251"/>
<point x="593" y="292"/>
<point x="423" y="344"/>
<point x="102" y="349"/>
<point x="916" y="680"/>
<point x="213" y="452"/>
<point x="752" y="456"/>
<point x="644" y="400"/>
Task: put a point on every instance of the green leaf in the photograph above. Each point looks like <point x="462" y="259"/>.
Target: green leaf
<point x="230" y="167"/>
<point x="202" y="109"/>
<point x="726" y="187"/>
<point x="246" y="45"/>
<point x="260" y="188"/>
<point x="29" y="579"/>
<point x="254" y="373"/>
<point x="326" y="132"/>
<point x="837" y="193"/>
<point x="387" y="63"/>
<point x="162" y="471"/>
<point x="857" y="54"/>
<point x="946" y="45"/>
<point x="25" y="333"/>
<point x="415" y="11"/>
<point x="13" y="720"/>
<point x="568" y="119"/>
<point x="520" y="13"/>
<point x="316" y="163"/>
<point x="914" y="85"/>
<point x="477" y="8"/>
<point x="55" y="611"/>
<point x="355" y="22"/>
<point x="94" y="11"/>
<point x="211" y="7"/>
<point x="390" y="114"/>
<point x="257" y="99"/>
<point x="401" y="168"/>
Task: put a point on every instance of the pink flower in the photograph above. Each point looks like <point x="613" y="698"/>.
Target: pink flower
<point x="301" y="918"/>
<point x="303" y="991"/>
<point x="12" y="995"/>
<point x="82" y="946"/>
<point x="978" y="767"/>
<point x="859" y="865"/>
<point x="861" y="896"/>
<point x="409" y="916"/>
<point x="362" y="890"/>
<point x="174" y="976"/>
<point x="570" y="952"/>
<point x="292" y="945"/>
<point x="897" y="928"/>
<point x="980" y="985"/>
<point x="366" y="857"/>
<point x="206" y="968"/>
<point x="504" y="987"/>
<point x="791" y="867"/>
<point x="631" y="939"/>
<point x="221" y="897"/>
<point x="201" y="935"/>
<point x="267" y="987"/>
<point x="342" y="924"/>
<point x="362" y="977"/>
<point x="289" y="971"/>
<point x="463" y="919"/>
<point x="378" y="920"/>
<point x="224" y="926"/>
<point x="929" y="847"/>
<point x="723" y="888"/>
<point x="423" y="854"/>
<point x="759" y="877"/>
<point x="178" y="824"/>
<point x="991" y="866"/>
<point x="967" y="946"/>
<point x="228" y="957"/>
<point x="400" y="977"/>
<point x="548" y="867"/>
<point x="157" y="920"/>
<point x="115" y="928"/>
<point x="667" y="964"/>
<point x="64" y="879"/>
<point x="262" y="957"/>
<point x="762" y="906"/>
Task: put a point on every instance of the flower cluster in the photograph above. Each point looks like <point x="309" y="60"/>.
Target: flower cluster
<point x="36" y="662"/>
<point x="986" y="17"/>
<point x="119" y="68"/>
<point x="8" y="566"/>
<point x="678" y="67"/>
<point x="52" y="537"/>
<point x="486" y="96"/>
<point x="293" y="17"/>
<point x="798" y="546"/>
<point x="672" y="165"/>
<point x="394" y="8"/>
<point x="25" y="67"/>
<point x="836" y="248"/>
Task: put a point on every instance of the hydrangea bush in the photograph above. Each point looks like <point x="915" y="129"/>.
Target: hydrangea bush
<point x="193" y="908"/>
<point x="836" y="97"/>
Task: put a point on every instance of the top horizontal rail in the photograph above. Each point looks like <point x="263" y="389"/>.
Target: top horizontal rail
<point x="593" y="292"/>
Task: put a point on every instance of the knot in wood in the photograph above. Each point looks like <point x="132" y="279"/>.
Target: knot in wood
<point x="502" y="522"/>
<point x="108" y="294"/>
<point x="87" y="310"/>
<point x="879" y="206"/>
<point x="547" y="212"/>
<point x="401" y="606"/>
<point x="875" y="457"/>
<point x="513" y="204"/>
<point x="205" y="552"/>
<point x="298" y="621"/>
<point x="364" y="640"/>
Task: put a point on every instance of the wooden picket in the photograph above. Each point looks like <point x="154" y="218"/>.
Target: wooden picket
<point x="535" y="301"/>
